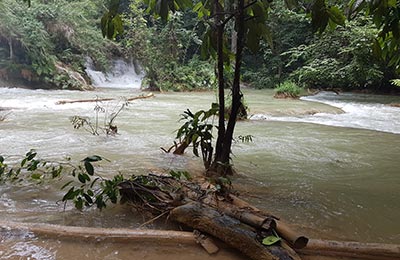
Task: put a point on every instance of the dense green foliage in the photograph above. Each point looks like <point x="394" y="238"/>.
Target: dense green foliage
<point x="49" y="40"/>
<point x="268" y="67"/>
<point x="168" y="52"/>
<point x="341" y="57"/>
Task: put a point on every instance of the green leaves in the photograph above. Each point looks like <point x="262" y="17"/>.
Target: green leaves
<point x="197" y="132"/>
<point x="336" y="15"/>
<point x="111" y="22"/>
<point x="395" y="82"/>
<point x="270" y="240"/>
<point x="84" y="190"/>
<point x="179" y="175"/>
<point x="111" y="25"/>
<point x="89" y="167"/>
<point x="161" y="8"/>
<point x="322" y="15"/>
<point x="91" y="192"/>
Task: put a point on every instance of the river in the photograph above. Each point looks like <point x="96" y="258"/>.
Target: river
<point x="328" y="164"/>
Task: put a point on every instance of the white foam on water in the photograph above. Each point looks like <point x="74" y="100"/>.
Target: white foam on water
<point x="360" y="111"/>
<point x="123" y="75"/>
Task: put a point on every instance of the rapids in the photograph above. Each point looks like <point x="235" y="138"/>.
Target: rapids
<point x="327" y="163"/>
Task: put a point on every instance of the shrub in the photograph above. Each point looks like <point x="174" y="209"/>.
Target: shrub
<point x="287" y="89"/>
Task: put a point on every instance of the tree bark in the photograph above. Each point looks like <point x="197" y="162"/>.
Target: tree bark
<point x="221" y="81"/>
<point x="224" y="168"/>
<point x="229" y="230"/>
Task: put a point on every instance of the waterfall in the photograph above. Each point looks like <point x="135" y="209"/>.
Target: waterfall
<point x="122" y="75"/>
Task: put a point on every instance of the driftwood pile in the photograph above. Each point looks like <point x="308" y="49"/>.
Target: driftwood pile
<point x="209" y="210"/>
<point x="204" y="207"/>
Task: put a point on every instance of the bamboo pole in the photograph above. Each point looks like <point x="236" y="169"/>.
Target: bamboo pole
<point x="355" y="250"/>
<point x="62" y="102"/>
<point x="295" y="239"/>
<point x="91" y="233"/>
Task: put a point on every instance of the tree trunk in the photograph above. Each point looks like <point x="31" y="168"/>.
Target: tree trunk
<point x="221" y="165"/>
<point x="229" y="230"/>
<point x="10" y="44"/>
<point x="221" y="81"/>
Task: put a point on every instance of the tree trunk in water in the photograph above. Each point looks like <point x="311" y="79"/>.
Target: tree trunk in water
<point x="221" y="165"/>
<point x="221" y="80"/>
<point x="229" y="230"/>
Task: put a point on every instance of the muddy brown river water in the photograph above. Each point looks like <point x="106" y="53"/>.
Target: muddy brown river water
<point x="327" y="164"/>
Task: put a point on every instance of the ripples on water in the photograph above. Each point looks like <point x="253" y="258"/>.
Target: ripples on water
<point x="339" y="182"/>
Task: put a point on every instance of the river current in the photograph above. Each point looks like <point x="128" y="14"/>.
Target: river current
<point x="327" y="163"/>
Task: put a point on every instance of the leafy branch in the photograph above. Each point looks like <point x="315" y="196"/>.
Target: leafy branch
<point x="85" y="188"/>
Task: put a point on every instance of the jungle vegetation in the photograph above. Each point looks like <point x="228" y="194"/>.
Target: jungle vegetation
<point x="361" y="53"/>
<point x="47" y="43"/>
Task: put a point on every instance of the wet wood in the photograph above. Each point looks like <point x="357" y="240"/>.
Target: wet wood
<point x="295" y="239"/>
<point x="206" y="242"/>
<point x="246" y="216"/>
<point x="62" y="102"/>
<point x="355" y="250"/>
<point x="90" y="233"/>
<point x="229" y="230"/>
<point x="315" y="250"/>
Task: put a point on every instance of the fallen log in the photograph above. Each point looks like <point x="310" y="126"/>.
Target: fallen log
<point x="62" y="102"/>
<point x="355" y="250"/>
<point x="229" y="230"/>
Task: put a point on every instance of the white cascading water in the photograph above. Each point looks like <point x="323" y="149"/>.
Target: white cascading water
<point x="122" y="75"/>
<point x="362" y="111"/>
